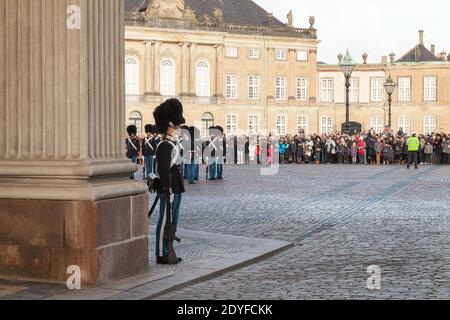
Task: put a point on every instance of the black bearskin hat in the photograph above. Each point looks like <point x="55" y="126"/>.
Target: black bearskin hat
<point x="168" y="114"/>
<point x="220" y="129"/>
<point x="150" y="128"/>
<point x="132" y="130"/>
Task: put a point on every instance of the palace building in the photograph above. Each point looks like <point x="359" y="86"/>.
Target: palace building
<point x="234" y="64"/>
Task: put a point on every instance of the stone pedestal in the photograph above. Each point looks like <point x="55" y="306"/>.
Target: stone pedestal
<point x="65" y="195"/>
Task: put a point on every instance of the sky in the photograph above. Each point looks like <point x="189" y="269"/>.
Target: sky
<point x="377" y="27"/>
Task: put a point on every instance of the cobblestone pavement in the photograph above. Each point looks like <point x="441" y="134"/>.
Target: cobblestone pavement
<point x="342" y="220"/>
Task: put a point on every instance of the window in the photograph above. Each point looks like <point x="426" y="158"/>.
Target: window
<point x="429" y="124"/>
<point x="253" y="53"/>
<point x="404" y="122"/>
<point x="404" y="89"/>
<point x="327" y="90"/>
<point x="253" y="124"/>
<point x="231" y="124"/>
<point x="253" y="87"/>
<point x="231" y="52"/>
<point x="376" y="89"/>
<point x="280" y="88"/>
<point x="302" y="89"/>
<point x="280" y="54"/>
<point x="167" y="78"/>
<point x="136" y="119"/>
<point x="326" y="125"/>
<point x="207" y="122"/>
<point x="281" y="125"/>
<point x="302" y="55"/>
<point x="202" y="76"/>
<point x="302" y="124"/>
<point x="429" y="88"/>
<point x="231" y="87"/>
<point x="354" y="90"/>
<point x="132" y="76"/>
<point x="377" y="124"/>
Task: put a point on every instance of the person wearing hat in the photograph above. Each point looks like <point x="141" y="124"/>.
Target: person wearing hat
<point x="221" y="149"/>
<point x="193" y="157"/>
<point x="133" y="146"/>
<point x="148" y="149"/>
<point x="212" y="152"/>
<point x="168" y="118"/>
<point x="413" y="144"/>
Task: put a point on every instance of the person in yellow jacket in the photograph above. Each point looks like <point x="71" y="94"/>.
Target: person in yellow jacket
<point x="413" y="144"/>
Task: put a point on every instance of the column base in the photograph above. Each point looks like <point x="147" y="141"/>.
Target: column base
<point x="107" y="239"/>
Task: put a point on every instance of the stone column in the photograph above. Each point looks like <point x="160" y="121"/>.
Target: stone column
<point x="292" y="76"/>
<point x="219" y="71"/>
<point x="184" y="68"/>
<point x="157" y="68"/>
<point x="192" y="69"/>
<point x="65" y="195"/>
<point x="149" y="65"/>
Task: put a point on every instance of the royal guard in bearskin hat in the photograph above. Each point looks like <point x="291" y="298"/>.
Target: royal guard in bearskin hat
<point x="148" y="148"/>
<point x="211" y="154"/>
<point x="133" y="147"/>
<point x="168" y="181"/>
<point x="221" y="149"/>
<point x="194" y="156"/>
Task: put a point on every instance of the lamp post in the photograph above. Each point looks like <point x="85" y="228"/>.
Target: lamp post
<point x="390" y="85"/>
<point x="347" y="66"/>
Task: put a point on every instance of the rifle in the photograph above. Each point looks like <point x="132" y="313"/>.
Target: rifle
<point x="169" y="232"/>
<point x="153" y="207"/>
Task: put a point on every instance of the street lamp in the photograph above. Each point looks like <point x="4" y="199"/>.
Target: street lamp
<point x="347" y="66"/>
<point x="390" y="85"/>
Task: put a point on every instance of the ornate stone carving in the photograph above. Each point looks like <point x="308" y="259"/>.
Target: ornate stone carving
<point x="340" y="57"/>
<point x="392" y="56"/>
<point x="365" y="56"/>
<point x="218" y="15"/>
<point x="189" y="14"/>
<point x="269" y="18"/>
<point x="166" y="9"/>
<point x="206" y="18"/>
<point x="290" y="17"/>
<point x="312" y="21"/>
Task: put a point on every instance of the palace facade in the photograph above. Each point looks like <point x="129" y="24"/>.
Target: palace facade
<point x="233" y="64"/>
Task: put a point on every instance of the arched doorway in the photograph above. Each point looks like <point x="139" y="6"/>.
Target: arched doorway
<point x="355" y="127"/>
<point x="207" y="122"/>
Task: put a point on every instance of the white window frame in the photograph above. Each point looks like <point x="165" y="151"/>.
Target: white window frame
<point x="376" y="122"/>
<point x="429" y="124"/>
<point x="280" y="54"/>
<point x="404" y="89"/>
<point x="253" y="87"/>
<point x="231" y="52"/>
<point x="203" y="79"/>
<point x="231" y="87"/>
<point x="280" y="88"/>
<point x="302" y="89"/>
<point x="302" y="123"/>
<point x="253" y="53"/>
<point x="135" y="118"/>
<point x="231" y="123"/>
<point x="354" y="90"/>
<point x="253" y="124"/>
<point x="302" y="55"/>
<point x="281" y="125"/>
<point x="430" y="89"/>
<point x="376" y="89"/>
<point x="132" y="75"/>
<point x="167" y="77"/>
<point x="326" y="125"/>
<point x="404" y="122"/>
<point x="327" y="89"/>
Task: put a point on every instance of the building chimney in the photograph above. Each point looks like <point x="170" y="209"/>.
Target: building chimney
<point x="433" y="49"/>
<point x="384" y="60"/>
<point x="421" y="37"/>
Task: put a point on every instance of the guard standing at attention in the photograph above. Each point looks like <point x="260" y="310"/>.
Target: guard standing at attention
<point x="168" y="181"/>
